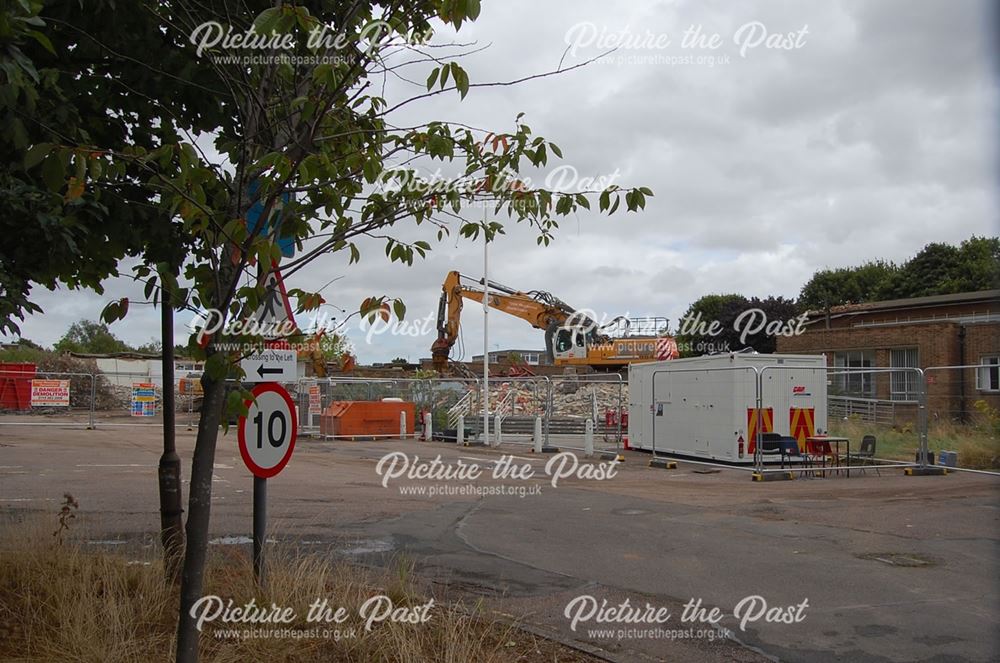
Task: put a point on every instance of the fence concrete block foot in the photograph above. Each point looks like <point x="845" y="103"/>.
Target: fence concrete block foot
<point x="929" y="471"/>
<point x="773" y="476"/>
<point x="663" y="464"/>
<point x="546" y="450"/>
<point x="610" y="455"/>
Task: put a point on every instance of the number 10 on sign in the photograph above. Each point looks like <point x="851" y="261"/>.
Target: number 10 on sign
<point x="267" y="434"/>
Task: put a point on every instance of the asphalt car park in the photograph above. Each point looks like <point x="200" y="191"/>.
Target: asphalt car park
<point x="871" y="568"/>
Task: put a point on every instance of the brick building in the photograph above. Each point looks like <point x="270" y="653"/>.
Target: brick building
<point x="922" y="332"/>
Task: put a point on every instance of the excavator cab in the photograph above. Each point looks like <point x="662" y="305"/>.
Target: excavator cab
<point x="571" y="343"/>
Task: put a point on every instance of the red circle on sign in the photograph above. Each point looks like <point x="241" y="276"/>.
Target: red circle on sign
<point x="241" y="433"/>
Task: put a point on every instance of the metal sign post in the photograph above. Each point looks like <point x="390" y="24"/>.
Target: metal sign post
<point x="259" y="527"/>
<point x="266" y="439"/>
<point x="486" y="337"/>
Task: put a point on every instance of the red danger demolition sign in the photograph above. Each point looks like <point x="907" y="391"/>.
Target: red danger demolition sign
<point x="267" y="433"/>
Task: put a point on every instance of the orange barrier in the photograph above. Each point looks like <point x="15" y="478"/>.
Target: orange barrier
<point x="365" y="418"/>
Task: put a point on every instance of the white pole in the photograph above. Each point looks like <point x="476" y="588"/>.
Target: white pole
<point x="460" y="433"/>
<point x="588" y="438"/>
<point x="538" y="435"/>
<point x="486" y="336"/>
<point x="402" y="425"/>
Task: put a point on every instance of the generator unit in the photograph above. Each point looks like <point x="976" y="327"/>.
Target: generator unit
<point x="706" y="407"/>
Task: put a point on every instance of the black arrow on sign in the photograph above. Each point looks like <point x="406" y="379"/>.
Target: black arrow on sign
<point x="261" y="371"/>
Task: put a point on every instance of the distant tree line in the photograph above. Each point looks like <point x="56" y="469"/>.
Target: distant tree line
<point x="938" y="269"/>
<point x="85" y="337"/>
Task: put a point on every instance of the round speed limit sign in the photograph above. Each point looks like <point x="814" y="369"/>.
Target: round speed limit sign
<point x="267" y="433"/>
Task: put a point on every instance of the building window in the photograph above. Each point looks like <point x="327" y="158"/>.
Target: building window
<point x="903" y="385"/>
<point x="988" y="377"/>
<point x="857" y="384"/>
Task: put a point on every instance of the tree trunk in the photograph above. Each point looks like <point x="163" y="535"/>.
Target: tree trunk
<point x="169" y="471"/>
<point x="199" y="511"/>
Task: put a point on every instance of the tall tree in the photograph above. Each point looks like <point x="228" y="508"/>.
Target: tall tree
<point x="721" y="323"/>
<point x="940" y="269"/>
<point x="301" y="125"/>
<point x="90" y="337"/>
<point x="932" y="271"/>
<point x="869" y="282"/>
<point x="980" y="263"/>
<point x="700" y="328"/>
<point x="756" y="323"/>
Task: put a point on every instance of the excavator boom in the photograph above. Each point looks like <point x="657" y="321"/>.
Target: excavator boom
<point x="571" y="337"/>
<point x="541" y="310"/>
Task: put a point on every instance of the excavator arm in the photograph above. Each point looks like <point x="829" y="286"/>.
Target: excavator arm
<point x="540" y="309"/>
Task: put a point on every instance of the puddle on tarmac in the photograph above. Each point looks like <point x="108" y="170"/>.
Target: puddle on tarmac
<point x="911" y="560"/>
<point x="368" y="546"/>
<point x="234" y="541"/>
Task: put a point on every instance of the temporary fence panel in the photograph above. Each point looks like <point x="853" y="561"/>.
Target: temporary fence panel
<point x="577" y="400"/>
<point x="963" y="413"/>
<point x="33" y="397"/>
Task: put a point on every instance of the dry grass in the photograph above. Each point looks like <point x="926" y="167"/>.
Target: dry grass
<point x="978" y="445"/>
<point x="65" y="603"/>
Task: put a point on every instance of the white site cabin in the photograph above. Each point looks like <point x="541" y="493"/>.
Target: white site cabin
<point x="705" y="407"/>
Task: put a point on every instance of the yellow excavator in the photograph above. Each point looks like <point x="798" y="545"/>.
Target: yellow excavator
<point x="572" y="338"/>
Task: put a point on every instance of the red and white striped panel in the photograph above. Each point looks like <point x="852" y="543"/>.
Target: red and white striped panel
<point x="666" y="348"/>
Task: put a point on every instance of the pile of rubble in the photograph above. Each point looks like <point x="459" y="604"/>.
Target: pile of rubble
<point x="569" y="398"/>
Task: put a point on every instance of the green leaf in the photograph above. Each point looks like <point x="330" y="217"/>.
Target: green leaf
<point x="461" y="79"/>
<point x="35" y="154"/>
<point x="399" y="308"/>
<point x="236" y="403"/>
<point x="115" y="310"/>
<point x="267" y="21"/>
<point x="53" y="172"/>
<point x="41" y="39"/>
<point x="370" y="170"/>
<point x="80" y="162"/>
<point x="433" y="78"/>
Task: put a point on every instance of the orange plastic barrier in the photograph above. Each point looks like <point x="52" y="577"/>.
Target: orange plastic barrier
<point x="365" y="418"/>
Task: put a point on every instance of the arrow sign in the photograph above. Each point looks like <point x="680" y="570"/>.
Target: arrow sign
<point x="271" y="365"/>
<point x="261" y="371"/>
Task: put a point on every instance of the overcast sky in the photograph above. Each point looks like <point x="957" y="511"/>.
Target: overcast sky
<point x="872" y="137"/>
